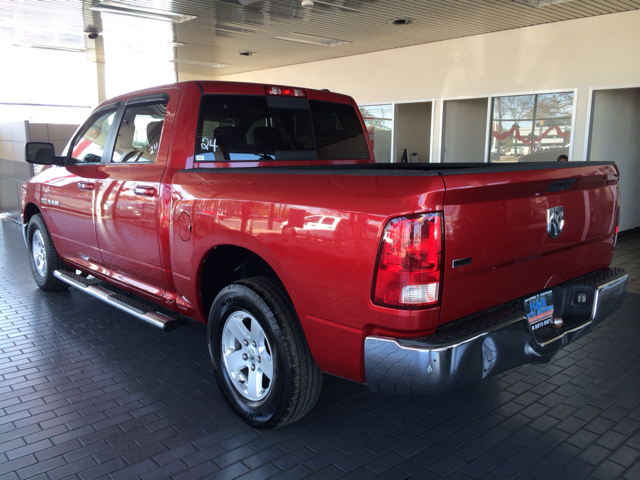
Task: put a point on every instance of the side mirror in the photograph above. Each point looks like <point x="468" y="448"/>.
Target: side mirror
<point x="42" y="153"/>
<point x="92" y="158"/>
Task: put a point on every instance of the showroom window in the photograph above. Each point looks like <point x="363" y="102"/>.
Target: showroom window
<point x="379" y="122"/>
<point x="531" y="127"/>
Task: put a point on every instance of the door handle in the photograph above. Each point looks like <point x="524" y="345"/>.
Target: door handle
<point x="86" y="186"/>
<point x="145" y="191"/>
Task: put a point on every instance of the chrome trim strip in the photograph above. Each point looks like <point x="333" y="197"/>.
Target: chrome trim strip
<point x="415" y="366"/>
<point x="156" y="319"/>
<point x="61" y="276"/>
<point x="615" y="283"/>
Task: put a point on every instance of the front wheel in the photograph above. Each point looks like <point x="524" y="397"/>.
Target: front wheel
<point x="261" y="359"/>
<point x="43" y="257"/>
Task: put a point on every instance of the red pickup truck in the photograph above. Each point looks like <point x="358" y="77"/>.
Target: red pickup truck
<point x="260" y="210"/>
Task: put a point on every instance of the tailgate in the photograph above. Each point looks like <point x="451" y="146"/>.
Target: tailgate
<point x="498" y="219"/>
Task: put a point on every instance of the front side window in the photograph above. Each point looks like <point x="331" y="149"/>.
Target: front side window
<point x="139" y="134"/>
<point x="527" y="128"/>
<point x="254" y="128"/>
<point x="89" y="145"/>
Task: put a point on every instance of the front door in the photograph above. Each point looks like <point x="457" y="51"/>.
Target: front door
<point x="68" y="194"/>
<point x="127" y="215"/>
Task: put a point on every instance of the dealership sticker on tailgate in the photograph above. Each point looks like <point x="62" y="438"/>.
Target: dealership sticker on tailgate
<point x="539" y="309"/>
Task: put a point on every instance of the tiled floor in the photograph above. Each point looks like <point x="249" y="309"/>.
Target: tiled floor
<point x="89" y="392"/>
<point x="627" y="256"/>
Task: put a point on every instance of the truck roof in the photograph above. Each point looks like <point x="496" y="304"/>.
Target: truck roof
<point x="217" y="86"/>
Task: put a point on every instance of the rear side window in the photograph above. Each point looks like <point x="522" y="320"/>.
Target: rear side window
<point x="231" y="127"/>
<point x="139" y="133"/>
<point x="251" y="128"/>
<point x="338" y="131"/>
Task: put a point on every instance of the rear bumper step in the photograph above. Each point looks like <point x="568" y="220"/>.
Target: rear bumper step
<point x="486" y="343"/>
<point x="137" y="308"/>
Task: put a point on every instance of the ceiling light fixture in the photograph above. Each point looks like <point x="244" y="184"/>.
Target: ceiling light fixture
<point x="199" y="64"/>
<point x="307" y="3"/>
<point x="51" y="47"/>
<point x="329" y="4"/>
<point x="235" y="30"/>
<point x="401" y="21"/>
<point x="311" y="39"/>
<point x="226" y="28"/>
<point x="133" y="10"/>
<point x="541" y="3"/>
<point x="246" y="53"/>
<point x="176" y="44"/>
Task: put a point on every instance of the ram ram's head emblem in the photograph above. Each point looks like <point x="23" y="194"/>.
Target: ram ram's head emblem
<point x="555" y="221"/>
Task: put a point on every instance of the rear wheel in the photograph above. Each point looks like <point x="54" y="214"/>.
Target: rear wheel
<point x="261" y="359"/>
<point x="43" y="257"/>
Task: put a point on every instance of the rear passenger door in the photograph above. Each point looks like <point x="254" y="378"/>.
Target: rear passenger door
<point x="127" y="202"/>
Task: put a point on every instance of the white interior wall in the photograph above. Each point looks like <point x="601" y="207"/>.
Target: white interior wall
<point x="616" y="136"/>
<point x="465" y="130"/>
<point x="57" y="134"/>
<point x="12" y="137"/>
<point x="13" y="169"/>
<point x="597" y="51"/>
<point x="412" y="130"/>
<point x="382" y="146"/>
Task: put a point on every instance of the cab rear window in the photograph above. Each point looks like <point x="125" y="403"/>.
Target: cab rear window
<point x="254" y="128"/>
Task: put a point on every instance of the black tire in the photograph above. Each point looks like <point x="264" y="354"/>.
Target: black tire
<point x="43" y="273"/>
<point x="296" y="382"/>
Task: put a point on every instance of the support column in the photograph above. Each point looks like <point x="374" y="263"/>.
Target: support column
<point x="95" y="58"/>
<point x="581" y="117"/>
<point x="436" y="128"/>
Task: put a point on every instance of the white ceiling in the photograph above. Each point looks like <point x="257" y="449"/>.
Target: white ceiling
<point x="225" y="27"/>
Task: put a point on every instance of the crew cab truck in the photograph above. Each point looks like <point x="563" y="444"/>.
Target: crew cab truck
<point x="207" y="198"/>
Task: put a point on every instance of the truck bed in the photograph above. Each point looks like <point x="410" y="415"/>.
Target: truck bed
<point x="494" y="215"/>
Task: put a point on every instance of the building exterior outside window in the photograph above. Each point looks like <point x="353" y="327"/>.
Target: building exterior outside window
<point x="379" y="122"/>
<point x="527" y="128"/>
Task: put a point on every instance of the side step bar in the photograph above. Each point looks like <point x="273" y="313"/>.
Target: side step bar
<point x="143" y="311"/>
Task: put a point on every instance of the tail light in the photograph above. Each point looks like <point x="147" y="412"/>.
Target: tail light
<point x="409" y="262"/>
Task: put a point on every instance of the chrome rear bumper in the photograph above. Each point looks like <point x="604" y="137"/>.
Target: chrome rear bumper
<point x="486" y="343"/>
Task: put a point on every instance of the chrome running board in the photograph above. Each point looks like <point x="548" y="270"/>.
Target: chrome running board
<point x="143" y="311"/>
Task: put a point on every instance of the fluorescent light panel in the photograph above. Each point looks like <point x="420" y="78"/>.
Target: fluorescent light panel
<point x="199" y="64"/>
<point x="125" y="8"/>
<point x="311" y="39"/>
<point x="51" y="47"/>
<point x="343" y="7"/>
<point x="541" y="3"/>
